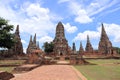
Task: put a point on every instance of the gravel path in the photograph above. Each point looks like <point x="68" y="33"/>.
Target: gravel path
<point x="50" y="72"/>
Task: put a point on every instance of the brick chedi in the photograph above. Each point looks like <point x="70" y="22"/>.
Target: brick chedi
<point x="60" y="42"/>
<point x="74" y="48"/>
<point x="18" y="47"/>
<point x="81" y="50"/>
<point x="89" y="48"/>
<point x="105" y="46"/>
<point x="33" y="45"/>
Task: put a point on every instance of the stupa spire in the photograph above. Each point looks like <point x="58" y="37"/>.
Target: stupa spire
<point x="89" y="47"/>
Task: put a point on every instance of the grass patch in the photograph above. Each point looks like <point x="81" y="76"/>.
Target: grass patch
<point x="8" y="69"/>
<point x="107" y="69"/>
<point x="10" y="62"/>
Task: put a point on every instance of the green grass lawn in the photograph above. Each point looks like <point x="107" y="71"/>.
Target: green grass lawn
<point x="107" y="69"/>
<point x="8" y="69"/>
<point x="10" y="62"/>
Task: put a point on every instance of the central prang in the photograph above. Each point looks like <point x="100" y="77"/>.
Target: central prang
<point x="60" y="42"/>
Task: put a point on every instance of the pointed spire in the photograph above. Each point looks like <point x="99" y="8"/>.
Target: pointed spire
<point x="18" y="48"/>
<point x="73" y="47"/>
<point x="81" y="50"/>
<point x="105" y="44"/>
<point x="88" y="40"/>
<point x="31" y="38"/>
<point x="17" y="30"/>
<point x="30" y="42"/>
<point x="89" y="47"/>
<point x="103" y="33"/>
<point x="60" y="23"/>
<point x="38" y="44"/>
<point x="34" y="40"/>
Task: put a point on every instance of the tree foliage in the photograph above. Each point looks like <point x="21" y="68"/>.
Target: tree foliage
<point x="6" y="37"/>
<point x="48" y="47"/>
<point x="117" y="49"/>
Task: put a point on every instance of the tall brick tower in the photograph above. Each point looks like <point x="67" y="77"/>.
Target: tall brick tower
<point x="105" y="46"/>
<point x="18" y="47"/>
<point x="60" y="42"/>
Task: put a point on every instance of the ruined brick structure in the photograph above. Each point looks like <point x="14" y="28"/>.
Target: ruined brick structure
<point x="89" y="48"/>
<point x="105" y="45"/>
<point x="74" y="49"/>
<point x="18" y="47"/>
<point x="60" y="42"/>
<point x="33" y="45"/>
<point x="81" y="50"/>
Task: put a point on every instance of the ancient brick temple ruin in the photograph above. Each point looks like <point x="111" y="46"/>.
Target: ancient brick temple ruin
<point x="81" y="49"/>
<point x="60" y="42"/>
<point x="89" y="48"/>
<point x="105" y="45"/>
<point x="33" y="45"/>
<point x="18" y="47"/>
<point x="74" y="49"/>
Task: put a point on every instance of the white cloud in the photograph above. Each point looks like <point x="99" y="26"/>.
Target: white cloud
<point x="45" y="39"/>
<point x="24" y="50"/>
<point x="23" y="41"/>
<point x="69" y="28"/>
<point x="62" y="1"/>
<point x="83" y="36"/>
<point x="82" y="17"/>
<point x="98" y="6"/>
<point x="36" y="11"/>
<point x="31" y="17"/>
<point x="38" y="20"/>
<point x="113" y="30"/>
<point x="85" y="13"/>
<point x="80" y="13"/>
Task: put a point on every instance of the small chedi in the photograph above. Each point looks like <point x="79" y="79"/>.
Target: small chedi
<point x="60" y="42"/>
<point x="89" y="48"/>
<point x="18" y="47"/>
<point x="74" y="49"/>
<point x="34" y="52"/>
<point x="33" y="45"/>
<point x="81" y="50"/>
<point x="105" y="45"/>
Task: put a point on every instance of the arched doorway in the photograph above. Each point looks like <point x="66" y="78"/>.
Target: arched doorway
<point x="61" y="54"/>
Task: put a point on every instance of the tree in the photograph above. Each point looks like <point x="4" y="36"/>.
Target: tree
<point x="118" y="49"/>
<point x="6" y="37"/>
<point x="48" y="47"/>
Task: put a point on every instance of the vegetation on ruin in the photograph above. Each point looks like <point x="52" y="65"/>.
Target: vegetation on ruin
<point x="104" y="69"/>
<point x="48" y="47"/>
<point x="10" y="62"/>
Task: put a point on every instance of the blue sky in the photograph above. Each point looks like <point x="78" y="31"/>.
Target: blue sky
<point x="79" y="17"/>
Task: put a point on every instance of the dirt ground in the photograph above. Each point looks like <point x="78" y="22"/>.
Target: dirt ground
<point x="51" y="72"/>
